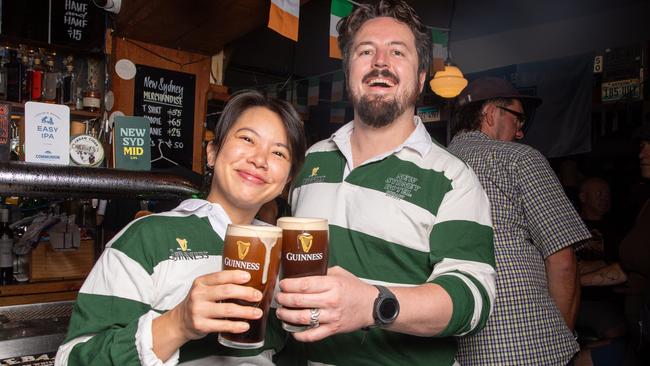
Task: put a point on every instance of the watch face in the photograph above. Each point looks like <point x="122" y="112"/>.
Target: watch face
<point x="388" y="309"/>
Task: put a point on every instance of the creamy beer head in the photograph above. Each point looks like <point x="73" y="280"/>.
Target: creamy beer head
<point x="256" y="250"/>
<point x="302" y="223"/>
<point x="305" y="251"/>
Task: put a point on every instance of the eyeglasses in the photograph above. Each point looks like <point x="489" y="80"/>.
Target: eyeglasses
<point x="520" y="117"/>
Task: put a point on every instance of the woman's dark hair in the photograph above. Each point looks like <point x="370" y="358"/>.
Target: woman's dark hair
<point x="245" y="99"/>
<point x="396" y="9"/>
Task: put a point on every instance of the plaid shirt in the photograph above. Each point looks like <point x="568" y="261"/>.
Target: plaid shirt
<point x="532" y="219"/>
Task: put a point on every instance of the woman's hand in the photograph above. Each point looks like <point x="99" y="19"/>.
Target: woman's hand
<point x="201" y="312"/>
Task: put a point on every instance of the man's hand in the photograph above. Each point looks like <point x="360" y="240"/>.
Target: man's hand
<point x="345" y="303"/>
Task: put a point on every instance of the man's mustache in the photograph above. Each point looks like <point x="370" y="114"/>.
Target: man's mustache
<point x="381" y="73"/>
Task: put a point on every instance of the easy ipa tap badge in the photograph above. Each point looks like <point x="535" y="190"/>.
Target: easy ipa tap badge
<point x="256" y="250"/>
<point x="304" y="251"/>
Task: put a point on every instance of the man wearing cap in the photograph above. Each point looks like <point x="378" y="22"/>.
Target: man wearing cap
<point x="535" y="229"/>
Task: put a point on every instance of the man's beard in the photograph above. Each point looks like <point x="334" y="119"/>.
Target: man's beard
<point x="381" y="110"/>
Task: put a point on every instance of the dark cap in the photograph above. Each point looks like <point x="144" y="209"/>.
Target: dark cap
<point x="490" y="87"/>
<point x="643" y="132"/>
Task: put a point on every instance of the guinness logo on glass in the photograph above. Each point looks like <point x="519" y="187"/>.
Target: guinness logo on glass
<point x="242" y="248"/>
<point x="305" y="239"/>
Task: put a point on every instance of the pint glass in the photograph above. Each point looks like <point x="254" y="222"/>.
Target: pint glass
<point x="304" y="251"/>
<point x="256" y="250"/>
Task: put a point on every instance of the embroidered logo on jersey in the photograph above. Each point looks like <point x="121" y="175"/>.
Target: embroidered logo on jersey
<point x="242" y="249"/>
<point x="401" y="185"/>
<point x="306" y="240"/>
<point x="314" y="177"/>
<point x="182" y="243"/>
<point x="183" y="252"/>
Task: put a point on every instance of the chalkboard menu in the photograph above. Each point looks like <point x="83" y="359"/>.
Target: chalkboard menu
<point x="166" y="98"/>
<point x="72" y="23"/>
<point x="77" y="23"/>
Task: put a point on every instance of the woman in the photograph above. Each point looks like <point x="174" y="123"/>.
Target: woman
<point x="153" y="296"/>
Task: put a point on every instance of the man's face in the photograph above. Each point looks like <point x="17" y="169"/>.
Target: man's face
<point x="383" y="77"/>
<point x="508" y="124"/>
<point x="644" y="159"/>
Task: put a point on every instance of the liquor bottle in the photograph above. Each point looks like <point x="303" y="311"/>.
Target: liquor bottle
<point x="26" y="78"/>
<point x="51" y="82"/>
<point x="6" y="249"/>
<point x="69" y="85"/>
<point x="3" y="73"/>
<point x="14" y="77"/>
<point x="37" y="80"/>
<point x="92" y="97"/>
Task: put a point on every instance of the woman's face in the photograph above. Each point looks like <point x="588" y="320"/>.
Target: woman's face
<point x="253" y="164"/>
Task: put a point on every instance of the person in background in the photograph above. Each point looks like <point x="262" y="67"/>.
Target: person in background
<point x="600" y="323"/>
<point x="634" y="254"/>
<point x="535" y="226"/>
<point x="154" y="295"/>
<point x="410" y="232"/>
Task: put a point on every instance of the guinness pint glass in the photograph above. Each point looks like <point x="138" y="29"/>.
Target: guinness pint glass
<point x="304" y="251"/>
<point x="256" y="250"/>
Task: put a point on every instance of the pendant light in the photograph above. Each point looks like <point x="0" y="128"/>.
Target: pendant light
<point x="449" y="82"/>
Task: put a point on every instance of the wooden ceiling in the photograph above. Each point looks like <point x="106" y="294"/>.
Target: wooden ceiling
<point x="202" y="26"/>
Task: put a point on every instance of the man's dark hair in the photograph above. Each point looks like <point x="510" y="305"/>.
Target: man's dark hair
<point x="246" y="99"/>
<point x="396" y="9"/>
<point x="468" y="117"/>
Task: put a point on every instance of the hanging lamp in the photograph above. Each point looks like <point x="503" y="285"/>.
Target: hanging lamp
<point x="448" y="83"/>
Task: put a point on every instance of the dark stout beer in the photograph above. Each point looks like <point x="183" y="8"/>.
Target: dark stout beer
<point x="256" y="250"/>
<point x="304" y="251"/>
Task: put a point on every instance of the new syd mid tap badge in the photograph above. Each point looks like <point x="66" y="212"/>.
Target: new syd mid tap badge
<point x="305" y="240"/>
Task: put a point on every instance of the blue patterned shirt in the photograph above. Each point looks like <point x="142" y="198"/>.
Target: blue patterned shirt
<point x="532" y="219"/>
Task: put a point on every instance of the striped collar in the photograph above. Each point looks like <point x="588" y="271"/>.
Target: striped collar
<point x="419" y="141"/>
<point x="218" y="217"/>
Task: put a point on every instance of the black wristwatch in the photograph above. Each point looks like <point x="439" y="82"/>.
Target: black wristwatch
<point x="385" y="309"/>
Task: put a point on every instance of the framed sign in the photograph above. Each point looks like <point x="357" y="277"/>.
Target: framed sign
<point x="166" y="98"/>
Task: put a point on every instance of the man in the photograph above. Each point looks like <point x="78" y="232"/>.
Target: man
<point x="535" y="228"/>
<point x="404" y="214"/>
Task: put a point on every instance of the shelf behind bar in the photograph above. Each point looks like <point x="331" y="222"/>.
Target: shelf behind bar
<point x="19" y="109"/>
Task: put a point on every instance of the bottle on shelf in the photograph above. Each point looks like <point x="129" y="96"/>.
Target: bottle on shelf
<point x="69" y="84"/>
<point x="27" y="77"/>
<point x="37" y="79"/>
<point x="14" y="77"/>
<point x="92" y="97"/>
<point x="6" y="249"/>
<point x="51" y="82"/>
<point x="3" y="73"/>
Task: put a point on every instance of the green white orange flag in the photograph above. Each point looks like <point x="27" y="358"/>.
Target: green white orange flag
<point x="340" y="9"/>
<point x="440" y="44"/>
<point x="283" y="17"/>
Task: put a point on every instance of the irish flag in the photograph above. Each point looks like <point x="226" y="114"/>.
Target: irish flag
<point x="340" y="9"/>
<point x="283" y="17"/>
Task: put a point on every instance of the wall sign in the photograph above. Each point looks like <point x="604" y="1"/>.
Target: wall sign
<point x="77" y="23"/>
<point x="72" y="23"/>
<point x="622" y="89"/>
<point x="166" y="98"/>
